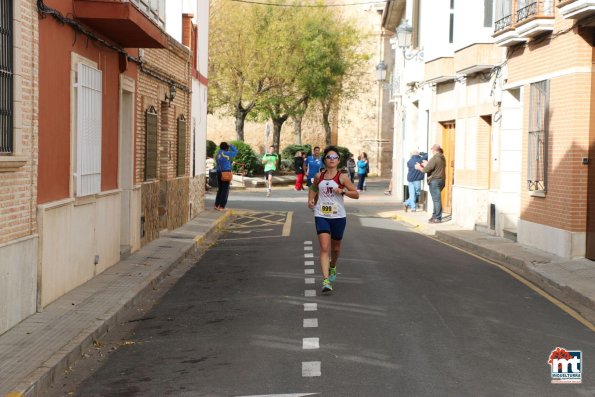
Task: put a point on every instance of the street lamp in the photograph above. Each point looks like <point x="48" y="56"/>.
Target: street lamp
<point x="381" y="71"/>
<point x="404" y="33"/>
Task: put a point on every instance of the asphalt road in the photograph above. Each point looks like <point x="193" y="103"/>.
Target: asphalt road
<point x="409" y="316"/>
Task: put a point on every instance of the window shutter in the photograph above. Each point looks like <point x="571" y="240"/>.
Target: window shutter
<point x="181" y="145"/>
<point x="151" y="144"/>
<point x="88" y="130"/>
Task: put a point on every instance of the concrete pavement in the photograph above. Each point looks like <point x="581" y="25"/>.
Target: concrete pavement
<point x="35" y="351"/>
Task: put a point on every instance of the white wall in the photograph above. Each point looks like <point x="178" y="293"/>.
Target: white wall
<point x="173" y="15"/>
<point x="469" y="20"/>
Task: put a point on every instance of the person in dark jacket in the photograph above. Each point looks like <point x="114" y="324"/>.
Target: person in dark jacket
<point x="414" y="178"/>
<point x="298" y="165"/>
<point x="223" y="160"/>
<point x="351" y="167"/>
<point x="436" y="170"/>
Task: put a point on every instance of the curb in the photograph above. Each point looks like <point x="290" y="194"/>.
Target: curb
<point x="579" y="302"/>
<point x="39" y="380"/>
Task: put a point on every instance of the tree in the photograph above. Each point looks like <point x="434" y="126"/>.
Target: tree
<point x="237" y="73"/>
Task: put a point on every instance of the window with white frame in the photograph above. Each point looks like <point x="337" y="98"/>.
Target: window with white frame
<point x="502" y="15"/>
<point x="6" y="78"/>
<point x="538" y="134"/>
<point x="88" y="130"/>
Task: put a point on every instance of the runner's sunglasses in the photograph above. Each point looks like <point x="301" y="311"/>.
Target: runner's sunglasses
<point x="332" y="157"/>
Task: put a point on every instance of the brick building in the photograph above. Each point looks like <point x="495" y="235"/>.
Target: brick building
<point x="162" y="139"/>
<point x="549" y="76"/>
<point x="18" y="160"/>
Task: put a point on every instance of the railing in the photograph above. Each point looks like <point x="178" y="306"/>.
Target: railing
<point x="6" y="77"/>
<point x="503" y="23"/>
<point x="537" y="8"/>
<point x="154" y="9"/>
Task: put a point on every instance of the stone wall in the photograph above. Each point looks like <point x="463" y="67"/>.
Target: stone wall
<point x="197" y="195"/>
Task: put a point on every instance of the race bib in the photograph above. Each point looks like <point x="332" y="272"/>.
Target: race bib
<point x="328" y="209"/>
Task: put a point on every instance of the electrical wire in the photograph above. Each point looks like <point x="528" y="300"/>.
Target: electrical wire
<point x="43" y="9"/>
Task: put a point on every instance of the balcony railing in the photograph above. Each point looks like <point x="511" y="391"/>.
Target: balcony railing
<point x="154" y="9"/>
<point x="535" y="9"/>
<point x="503" y="23"/>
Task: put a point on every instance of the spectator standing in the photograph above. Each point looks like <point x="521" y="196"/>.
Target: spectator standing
<point x="313" y="165"/>
<point x="223" y="159"/>
<point x="298" y="165"/>
<point x="414" y="178"/>
<point x="436" y="170"/>
<point x="351" y="167"/>
<point x="362" y="171"/>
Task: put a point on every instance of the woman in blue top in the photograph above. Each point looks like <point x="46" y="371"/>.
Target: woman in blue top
<point x="223" y="159"/>
<point x="362" y="171"/>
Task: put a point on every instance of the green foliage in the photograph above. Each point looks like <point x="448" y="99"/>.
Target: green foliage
<point x="246" y="156"/>
<point x="268" y="62"/>
<point x="211" y="148"/>
<point x="287" y="165"/>
<point x="290" y="151"/>
<point x="344" y="153"/>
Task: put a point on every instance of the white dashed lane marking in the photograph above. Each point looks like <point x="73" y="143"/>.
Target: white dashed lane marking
<point x="310" y="307"/>
<point x="308" y="242"/>
<point x="310" y="343"/>
<point x="309" y="255"/>
<point x="309" y="280"/>
<point x="311" y="368"/>
<point x="309" y="263"/>
<point x="308" y="271"/>
<point x="310" y="322"/>
<point x="310" y="292"/>
<point x="308" y="248"/>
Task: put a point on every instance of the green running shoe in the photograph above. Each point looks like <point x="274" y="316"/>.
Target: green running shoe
<point x="332" y="274"/>
<point x="326" y="286"/>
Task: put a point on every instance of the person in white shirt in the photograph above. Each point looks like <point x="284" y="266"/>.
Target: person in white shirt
<point x="326" y="198"/>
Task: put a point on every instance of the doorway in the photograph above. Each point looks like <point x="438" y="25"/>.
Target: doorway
<point x="126" y="163"/>
<point x="448" y="145"/>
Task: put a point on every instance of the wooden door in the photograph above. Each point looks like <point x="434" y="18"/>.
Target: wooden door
<point x="448" y="145"/>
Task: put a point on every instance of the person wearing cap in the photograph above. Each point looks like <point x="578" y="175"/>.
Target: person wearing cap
<point x="436" y="170"/>
<point x="414" y="178"/>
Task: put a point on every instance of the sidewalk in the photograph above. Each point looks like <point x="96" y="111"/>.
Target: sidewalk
<point x="570" y="281"/>
<point x="35" y="351"/>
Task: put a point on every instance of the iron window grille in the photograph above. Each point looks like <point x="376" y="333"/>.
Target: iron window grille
<point x="6" y="78"/>
<point x="151" y="144"/>
<point x="538" y="136"/>
<point x="181" y="145"/>
<point x="503" y="17"/>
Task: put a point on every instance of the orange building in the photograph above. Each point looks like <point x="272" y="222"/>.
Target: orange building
<point x="88" y="73"/>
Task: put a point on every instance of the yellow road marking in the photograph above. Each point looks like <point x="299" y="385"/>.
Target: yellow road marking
<point x="287" y="226"/>
<point x="570" y="311"/>
<point x="573" y="313"/>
